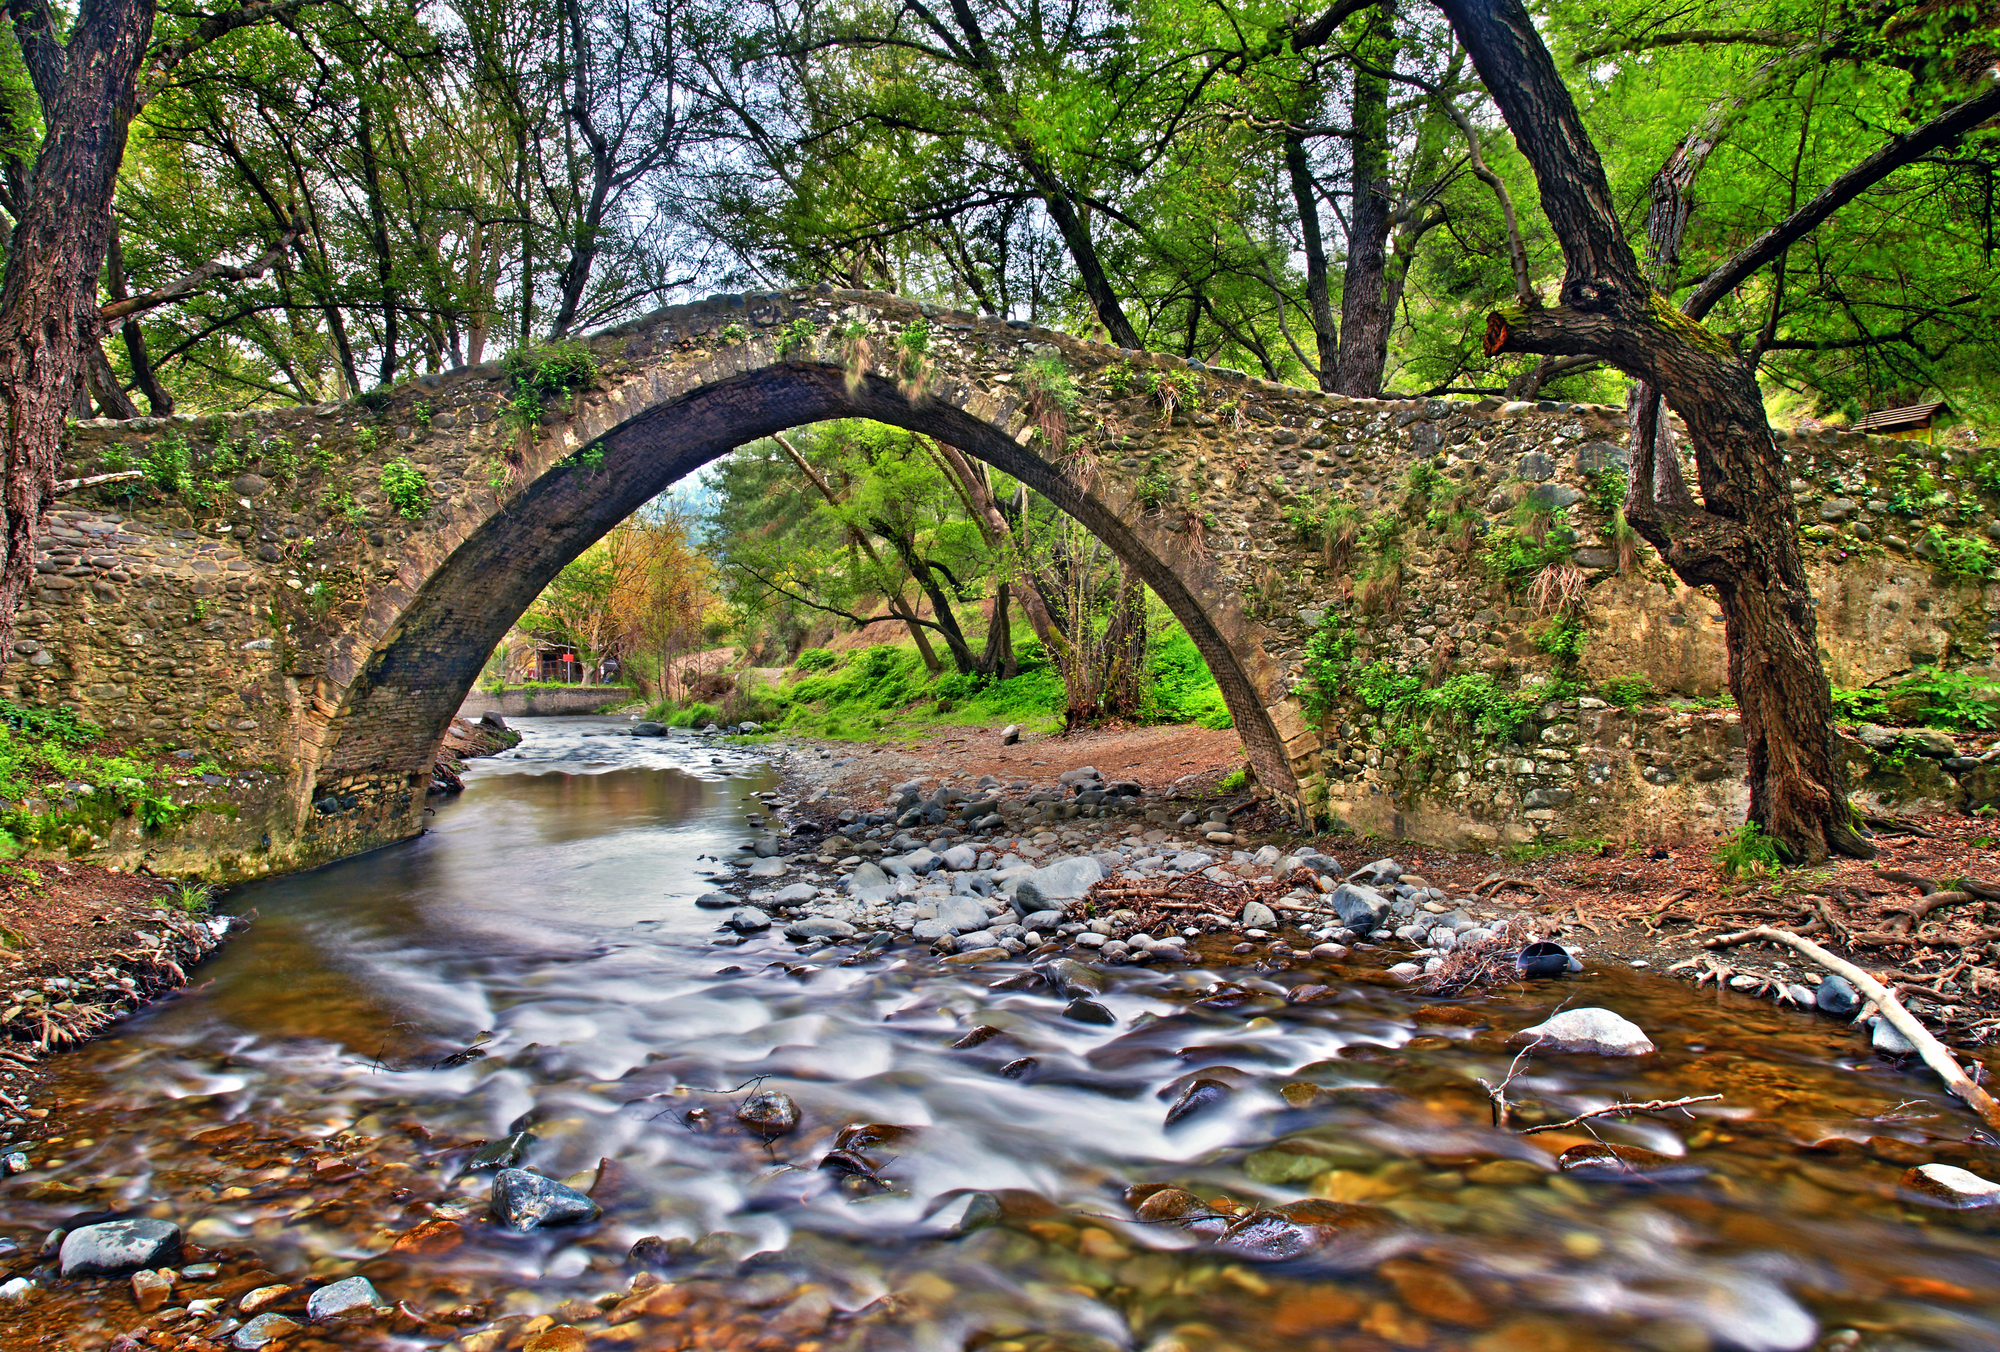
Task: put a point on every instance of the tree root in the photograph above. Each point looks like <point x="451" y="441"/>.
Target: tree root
<point x="1934" y="1053"/>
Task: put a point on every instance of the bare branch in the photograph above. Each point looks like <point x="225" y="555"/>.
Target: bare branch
<point x="188" y="283"/>
<point x="1620" y="1110"/>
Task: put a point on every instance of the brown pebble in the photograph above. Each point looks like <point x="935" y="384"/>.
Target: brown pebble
<point x="1435" y="1293"/>
<point x="433" y="1236"/>
<point x="561" y="1338"/>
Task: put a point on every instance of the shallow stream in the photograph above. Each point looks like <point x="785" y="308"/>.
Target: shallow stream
<point x="547" y="919"/>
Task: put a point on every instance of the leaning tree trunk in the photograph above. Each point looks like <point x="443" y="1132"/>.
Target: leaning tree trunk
<point x="48" y="304"/>
<point x="1367" y="309"/>
<point x="1743" y="538"/>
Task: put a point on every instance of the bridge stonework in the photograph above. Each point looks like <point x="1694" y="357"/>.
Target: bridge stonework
<point x="278" y="612"/>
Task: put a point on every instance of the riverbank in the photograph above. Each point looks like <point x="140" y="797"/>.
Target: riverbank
<point x="884" y="1139"/>
<point x="1652" y="907"/>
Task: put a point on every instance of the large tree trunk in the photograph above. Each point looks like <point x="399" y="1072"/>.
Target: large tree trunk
<point x="48" y="304"/>
<point x="1743" y="539"/>
<point x="1305" y="195"/>
<point x="1367" y="309"/>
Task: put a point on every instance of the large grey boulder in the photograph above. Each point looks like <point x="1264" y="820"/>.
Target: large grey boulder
<point x="747" y="920"/>
<point x="648" y="728"/>
<point x="114" y="1248"/>
<point x="1359" y="908"/>
<point x="524" y="1201"/>
<point x="962" y="914"/>
<point x="1588" y="1030"/>
<point x="1066" y="879"/>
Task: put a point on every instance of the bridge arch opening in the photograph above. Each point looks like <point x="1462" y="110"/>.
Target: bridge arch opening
<point x="383" y="733"/>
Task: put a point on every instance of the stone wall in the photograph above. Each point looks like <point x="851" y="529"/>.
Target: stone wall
<point x="544" y="701"/>
<point x="273" y="606"/>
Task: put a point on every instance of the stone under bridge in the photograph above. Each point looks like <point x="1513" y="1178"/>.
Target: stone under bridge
<point x="277" y="611"/>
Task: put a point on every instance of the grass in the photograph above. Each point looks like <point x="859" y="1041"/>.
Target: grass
<point x="858" y="696"/>
<point x="1748" y="853"/>
<point x="1551" y="847"/>
<point x="52" y="755"/>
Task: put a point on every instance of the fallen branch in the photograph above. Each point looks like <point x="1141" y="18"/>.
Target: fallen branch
<point x="1934" y="1053"/>
<point x="1621" y="1109"/>
<point x="93" y="480"/>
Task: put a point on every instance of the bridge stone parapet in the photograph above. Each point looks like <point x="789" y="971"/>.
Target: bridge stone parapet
<point x="265" y="596"/>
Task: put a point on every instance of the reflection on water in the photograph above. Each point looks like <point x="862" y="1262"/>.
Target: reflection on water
<point x="549" y="917"/>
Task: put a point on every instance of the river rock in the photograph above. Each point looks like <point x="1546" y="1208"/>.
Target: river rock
<point x="343" y="1297"/>
<point x="1083" y="1010"/>
<point x="1010" y="734"/>
<point x="1542" y="959"/>
<point x="868" y="877"/>
<point x="795" y="894"/>
<point x="1193" y="861"/>
<point x="1041" y="920"/>
<point x="504" y="1153"/>
<point x="1359" y="908"/>
<point x="921" y="861"/>
<point x="1885" y="1038"/>
<point x="1198" y="1097"/>
<point x="1071" y="977"/>
<point x="962" y="915"/>
<point x="747" y="920"/>
<point x="114" y="1248"/>
<point x="1837" y="997"/>
<point x="523" y="1201"/>
<point x="1378" y="873"/>
<point x="769" y="1114"/>
<point x="1614" y="1162"/>
<point x="767" y="868"/>
<point x="820" y="927"/>
<point x="1256" y="915"/>
<point x="1066" y="879"/>
<point x="648" y="728"/>
<point x="265" y="1328"/>
<point x="961" y="858"/>
<point x="1588" y="1030"/>
<point x="1949" y="1185"/>
<point x="717" y="901"/>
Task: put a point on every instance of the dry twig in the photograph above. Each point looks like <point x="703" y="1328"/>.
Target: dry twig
<point x="1621" y="1110"/>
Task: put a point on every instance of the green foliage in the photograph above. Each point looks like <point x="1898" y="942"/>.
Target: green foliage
<point x="407" y="488"/>
<point x="1183" y="690"/>
<point x="189" y="898"/>
<point x="1961" y="558"/>
<point x="815" y="659"/>
<point x="913" y="346"/>
<point x="421" y="414"/>
<point x="1329" y="655"/>
<point x="797" y="340"/>
<point x="1551" y="847"/>
<point x="340" y="502"/>
<point x="44" y="754"/>
<point x="1420" y="485"/>
<point x="731" y="334"/>
<point x="1469" y="703"/>
<point x="366" y="439"/>
<point x="1932" y="698"/>
<point x="1174" y="391"/>
<point x="1235" y="780"/>
<point x="1157" y="486"/>
<point x="1563" y="637"/>
<point x="170" y="467"/>
<point x="1625" y="692"/>
<point x="551" y="370"/>
<point x="1048" y="379"/>
<point x="1516" y="553"/>
<point x="1607" y="490"/>
<point x="589" y="457"/>
<point x="1748" y="853"/>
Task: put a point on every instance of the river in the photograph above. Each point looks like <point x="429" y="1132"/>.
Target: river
<point x="547" y="921"/>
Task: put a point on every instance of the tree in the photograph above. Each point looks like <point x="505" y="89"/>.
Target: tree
<point x="88" y="86"/>
<point x="1742" y="538"/>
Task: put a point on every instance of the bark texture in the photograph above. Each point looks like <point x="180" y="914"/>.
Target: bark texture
<point x="48" y="304"/>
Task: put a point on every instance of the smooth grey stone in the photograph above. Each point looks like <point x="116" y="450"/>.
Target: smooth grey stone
<point x="1884" y="1037"/>
<point x="1192" y="861"/>
<point x="794" y="894"/>
<point x="1041" y="920"/>
<point x="1359" y="908"/>
<point x="747" y="920"/>
<point x="1835" y="996"/>
<point x="1589" y="1030"/>
<point x="343" y="1297"/>
<point x="1066" y="879"/>
<point x="1010" y="734"/>
<point x="263" y="1329"/>
<point x="962" y="914"/>
<point x="1256" y="915"/>
<point x="819" y="927"/>
<point x="649" y="729"/>
<point x="524" y="1201"/>
<point x="717" y="901"/>
<point x="114" y="1248"/>
<point x="961" y="858"/>
<point x="767" y="868"/>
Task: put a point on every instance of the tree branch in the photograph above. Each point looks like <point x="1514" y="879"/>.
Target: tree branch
<point x="1897" y="152"/>
<point x="1693" y="37"/>
<point x="1934" y="1053"/>
<point x="188" y="283"/>
<point x="168" y="55"/>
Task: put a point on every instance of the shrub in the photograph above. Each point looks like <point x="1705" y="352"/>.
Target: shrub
<point x="551" y="370"/>
<point x="1960" y="557"/>
<point x="407" y="488"/>
<point x="1329" y="653"/>
<point x="1624" y="692"/>
<point x="815" y="659"/>
<point x="1926" y="698"/>
<point x="1607" y="490"/>
<point x="1748" y="853"/>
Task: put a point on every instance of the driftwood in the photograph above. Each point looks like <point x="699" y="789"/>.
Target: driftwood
<point x="1934" y="1053"/>
<point x="91" y="481"/>
<point x="1620" y="1110"/>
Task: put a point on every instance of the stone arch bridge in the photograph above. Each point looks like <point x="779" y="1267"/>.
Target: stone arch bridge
<point x="277" y="610"/>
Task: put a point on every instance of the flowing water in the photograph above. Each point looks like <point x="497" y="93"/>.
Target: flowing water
<point x="547" y="918"/>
